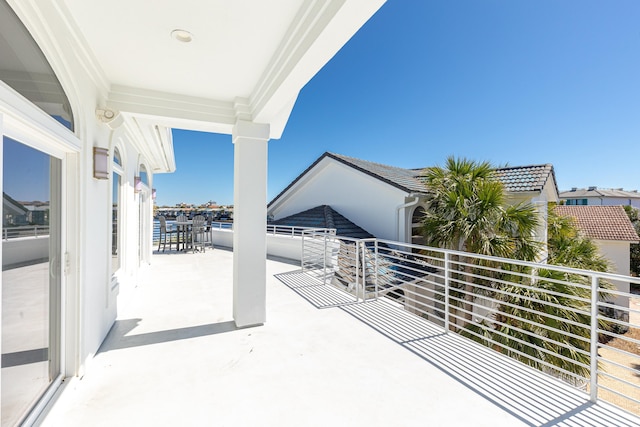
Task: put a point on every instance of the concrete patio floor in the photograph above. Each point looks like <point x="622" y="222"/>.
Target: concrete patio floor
<point x="174" y="357"/>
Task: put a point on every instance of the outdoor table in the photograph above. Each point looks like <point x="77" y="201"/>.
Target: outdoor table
<point x="184" y="229"/>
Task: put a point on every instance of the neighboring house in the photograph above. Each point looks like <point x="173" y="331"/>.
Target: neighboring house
<point x="14" y="212"/>
<point x="601" y="197"/>
<point x="611" y="230"/>
<point x="388" y="201"/>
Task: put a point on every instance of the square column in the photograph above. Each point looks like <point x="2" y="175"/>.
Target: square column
<point x="249" y="222"/>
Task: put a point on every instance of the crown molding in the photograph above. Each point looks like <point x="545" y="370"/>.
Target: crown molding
<point x="320" y="29"/>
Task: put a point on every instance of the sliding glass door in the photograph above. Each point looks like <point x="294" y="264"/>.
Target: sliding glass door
<point x="31" y="265"/>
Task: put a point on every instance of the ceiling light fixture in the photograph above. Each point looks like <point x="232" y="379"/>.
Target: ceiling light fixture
<point x="183" y="36"/>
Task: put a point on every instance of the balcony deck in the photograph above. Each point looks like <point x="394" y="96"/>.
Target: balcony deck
<point x="174" y="357"/>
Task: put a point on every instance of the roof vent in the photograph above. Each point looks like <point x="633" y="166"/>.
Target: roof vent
<point x="574" y="188"/>
<point x="593" y="188"/>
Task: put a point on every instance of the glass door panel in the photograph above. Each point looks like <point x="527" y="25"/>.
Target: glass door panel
<point x="30" y="277"/>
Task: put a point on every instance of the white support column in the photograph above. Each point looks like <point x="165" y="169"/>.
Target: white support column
<point x="249" y="222"/>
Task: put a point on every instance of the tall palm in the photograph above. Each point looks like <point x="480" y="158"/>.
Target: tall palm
<point x="466" y="211"/>
<point x="530" y="318"/>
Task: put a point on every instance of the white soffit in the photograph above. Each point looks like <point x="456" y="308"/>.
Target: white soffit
<point x="233" y="42"/>
<point x="248" y="58"/>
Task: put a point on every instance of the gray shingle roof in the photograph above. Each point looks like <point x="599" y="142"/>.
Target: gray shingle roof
<point x="601" y="222"/>
<point x="324" y="216"/>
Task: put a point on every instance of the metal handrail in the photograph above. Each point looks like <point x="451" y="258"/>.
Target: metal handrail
<point x="25" y="231"/>
<point x="449" y="287"/>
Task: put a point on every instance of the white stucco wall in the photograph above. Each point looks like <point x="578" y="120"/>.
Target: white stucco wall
<point x="618" y="254"/>
<point x="361" y="198"/>
<point x="283" y="246"/>
<point x="24" y="250"/>
<point x="90" y="304"/>
<point x="614" y="201"/>
<point x="608" y="201"/>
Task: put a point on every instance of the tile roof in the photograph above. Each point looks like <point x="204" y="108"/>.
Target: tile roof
<point x="406" y="179"/>
<point x="516" y="179"/>
<point x="524" y="178"/>
<point x="599" y="192"/>
<point x="601" y="222"/>
<point x="324" y="216"/>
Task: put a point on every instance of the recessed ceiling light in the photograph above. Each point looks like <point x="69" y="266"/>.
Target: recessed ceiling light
<point x="182" y="36"/>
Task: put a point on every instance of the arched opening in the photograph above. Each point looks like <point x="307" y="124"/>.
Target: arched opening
<point x="26" y="70"/>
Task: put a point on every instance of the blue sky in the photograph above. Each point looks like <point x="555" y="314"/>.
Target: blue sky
<point x="512" y="82"/>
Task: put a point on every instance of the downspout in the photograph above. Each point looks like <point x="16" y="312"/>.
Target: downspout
<point x="404" y="206"/>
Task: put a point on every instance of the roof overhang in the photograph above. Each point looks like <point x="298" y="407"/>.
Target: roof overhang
<point x="248" y="60"/>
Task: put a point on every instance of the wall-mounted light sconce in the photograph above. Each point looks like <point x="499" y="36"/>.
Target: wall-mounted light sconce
<point x="137" y="184"/>
<point x="153" y="193"/>
<point x="100" y="163"/>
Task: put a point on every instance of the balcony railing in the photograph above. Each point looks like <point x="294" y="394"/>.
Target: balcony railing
<point x="572" y="324"/>
<point x="273" y="230"/>
<point x="25" y="231"/>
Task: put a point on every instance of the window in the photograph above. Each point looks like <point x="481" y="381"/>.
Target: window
<point x="24" y="68"/>
<point x="31" y="277"/>
<point x="116" y="212"/>
<point x="144" y="176"/>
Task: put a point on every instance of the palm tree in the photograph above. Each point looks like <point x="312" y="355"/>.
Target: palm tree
<point x="465" y="211"/>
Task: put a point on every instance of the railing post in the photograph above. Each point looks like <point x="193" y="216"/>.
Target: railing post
<point x="324" y="259"/>
<point x="357" y="271"/>
<point x="364" y="271"/>
<point x="446" y="291"/>
<point x="302" y="255"/>
<point x="593" y="370"/>
<point x="375" y="246"/>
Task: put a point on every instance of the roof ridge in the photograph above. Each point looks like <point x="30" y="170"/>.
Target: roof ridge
<point x="545" y="165"/>
<point x="349" y="158"/>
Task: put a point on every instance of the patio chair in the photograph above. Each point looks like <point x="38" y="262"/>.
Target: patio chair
<point x="198" y="233"/>
<point x="165" y="233"/>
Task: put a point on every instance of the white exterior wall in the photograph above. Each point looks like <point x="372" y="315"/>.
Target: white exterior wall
<point x="614" y="201"/>
<point x="361" y="198"/>
<point x="608" y="201"/>
<point x="289" y="247"/>
<point x="89" y="307"/>
<point x="25" y="249"/>
<point x="618" y="254"/>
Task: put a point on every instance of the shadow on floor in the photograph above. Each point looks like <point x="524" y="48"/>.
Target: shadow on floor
<point x="529" y="395"/>
<point x="315" y="292"/>
<point x="119" y="338"/>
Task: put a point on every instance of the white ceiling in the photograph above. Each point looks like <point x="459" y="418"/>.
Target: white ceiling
<point x="233" y="42"/>
<point x="248" y="59"/>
